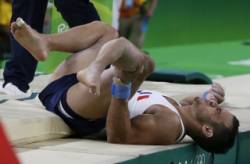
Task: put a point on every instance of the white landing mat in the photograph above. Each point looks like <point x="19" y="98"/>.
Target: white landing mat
<point x="27" y="124"/>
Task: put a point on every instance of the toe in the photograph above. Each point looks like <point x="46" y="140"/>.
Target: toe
<point x="20" y="22"/>
<point x="13" y="27"/>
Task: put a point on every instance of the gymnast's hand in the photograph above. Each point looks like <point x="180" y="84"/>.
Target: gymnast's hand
<point x="215" y="95"/>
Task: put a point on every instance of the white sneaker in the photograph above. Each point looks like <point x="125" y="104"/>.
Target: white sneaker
<point x="12" y="91"/>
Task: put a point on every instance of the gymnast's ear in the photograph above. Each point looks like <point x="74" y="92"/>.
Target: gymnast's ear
<point x="207" y="131"/>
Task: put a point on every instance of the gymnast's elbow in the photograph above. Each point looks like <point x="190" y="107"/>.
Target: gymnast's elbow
<point x="116" y="139"/>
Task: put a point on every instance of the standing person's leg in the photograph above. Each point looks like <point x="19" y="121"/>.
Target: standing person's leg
<point x="124" y="27"/>
<point x="20" y="69"/>
<point x="137" y="34"/>
<point x="77" y="12"/>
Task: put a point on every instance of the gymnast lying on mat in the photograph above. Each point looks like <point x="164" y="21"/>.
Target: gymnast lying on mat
<point x="88" y="96"/>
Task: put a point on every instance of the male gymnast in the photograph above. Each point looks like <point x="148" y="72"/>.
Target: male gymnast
<point x="88" y="96"/>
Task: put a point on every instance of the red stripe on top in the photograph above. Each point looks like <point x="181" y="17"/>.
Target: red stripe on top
<point x="142" y="97"/>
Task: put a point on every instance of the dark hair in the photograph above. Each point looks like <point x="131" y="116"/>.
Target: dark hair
<point x="223" y="137"/>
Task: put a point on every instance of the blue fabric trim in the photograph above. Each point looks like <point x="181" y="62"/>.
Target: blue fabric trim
<point x="205" y="95"/>
<point x="120" y="91"/>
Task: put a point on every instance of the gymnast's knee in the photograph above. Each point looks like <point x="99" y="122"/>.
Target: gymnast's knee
<point x="107" y="30"/>
<point x="149" y="65"/>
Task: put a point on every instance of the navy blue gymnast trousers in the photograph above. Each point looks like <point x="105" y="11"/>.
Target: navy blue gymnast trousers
<point x="54" y="96"/>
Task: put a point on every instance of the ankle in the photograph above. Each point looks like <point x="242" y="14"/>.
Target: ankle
<point x="46" y="39"/>
<point x="98" y="66"/>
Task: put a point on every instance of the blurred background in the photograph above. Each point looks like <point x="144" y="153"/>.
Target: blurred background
<point x="212" y="37"/>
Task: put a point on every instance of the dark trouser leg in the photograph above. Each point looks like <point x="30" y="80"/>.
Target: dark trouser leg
<point x="137" y="35"/>
<point x="21" y="67"/>
<point x="124" y="27"/>
<point x="77" y="12"/>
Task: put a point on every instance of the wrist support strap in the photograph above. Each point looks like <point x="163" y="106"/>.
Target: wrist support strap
<point x="205" y="95"/>
<point x="121" y="91"/>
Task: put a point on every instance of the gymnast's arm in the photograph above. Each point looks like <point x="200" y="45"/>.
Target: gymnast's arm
<point x="214" y="95"/>
<point x="151" y="128"/>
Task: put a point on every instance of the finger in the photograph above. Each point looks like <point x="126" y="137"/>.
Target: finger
<point x="221" y="93"/>
<point x="216" y="87"/>
<point x="209" y="96"/>
<point x="20" y="22"/>
<point x="13" y="27"/>
<point x="218" y="97"/>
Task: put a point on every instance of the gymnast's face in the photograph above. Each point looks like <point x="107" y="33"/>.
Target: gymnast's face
<point x="208" y="112"/>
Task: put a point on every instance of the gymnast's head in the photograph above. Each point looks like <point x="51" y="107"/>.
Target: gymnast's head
<point x="217" y="127"/>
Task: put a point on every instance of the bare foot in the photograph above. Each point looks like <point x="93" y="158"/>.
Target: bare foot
<point x="29" y="39"/>
<point x="91" y="77"/>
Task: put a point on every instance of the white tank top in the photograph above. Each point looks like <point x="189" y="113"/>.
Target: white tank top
<point x="143" y="99"/>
